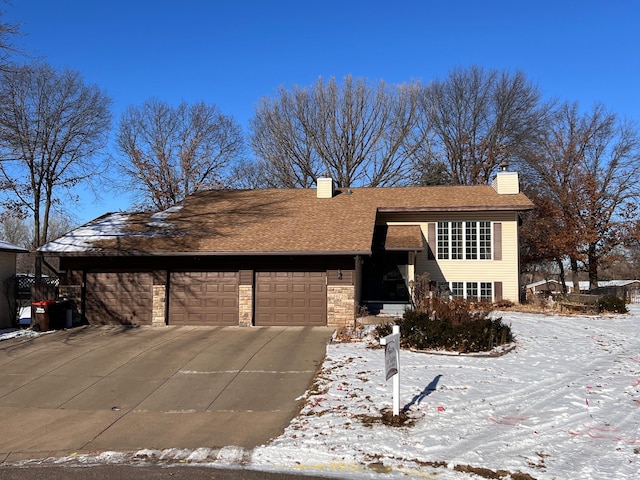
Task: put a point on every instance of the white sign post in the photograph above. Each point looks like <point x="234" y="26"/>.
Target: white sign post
<point x="391" y="345"/>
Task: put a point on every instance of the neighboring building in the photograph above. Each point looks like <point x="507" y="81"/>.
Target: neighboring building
<point x="8" y="308"/>
<point x="293" y="257"/>
<point x="627" y="289"/>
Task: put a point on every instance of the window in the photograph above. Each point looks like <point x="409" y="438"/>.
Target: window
<point x="486" y="291"/>
<point x="443" y="240"/>
<point x="464" y="240"/>
<point x="484" y="229"/>
<point x="468" y="290"/>
<point x="472" y="290"/>
<point x="457" y="243"/>
<point x="471" y="238"/>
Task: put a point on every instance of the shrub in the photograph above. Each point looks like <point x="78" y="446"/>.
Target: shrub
<point x="454" y="325"/>
<point x="504" y="304"/>
<point x="611" y="303"/>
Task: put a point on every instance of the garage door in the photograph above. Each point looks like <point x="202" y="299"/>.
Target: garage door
<point x="291" y="298"/>
<point x="123" y="298"/>
<point x="203" y="298"/>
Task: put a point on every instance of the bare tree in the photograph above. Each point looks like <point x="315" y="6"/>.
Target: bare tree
<point x="358" y="133"/>
<point x="586" y="166"/>
<point x="7" y="32"/>
<point x="52" y="127"/>
<point x="170" y="153"/>
<point x="478" y="119"/>
<point x="19" y="231"/>
<point x="13" y="229"/>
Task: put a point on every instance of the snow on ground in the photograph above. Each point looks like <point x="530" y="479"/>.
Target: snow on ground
<point x="564" y="404"/>
<point x="8" y="333"/>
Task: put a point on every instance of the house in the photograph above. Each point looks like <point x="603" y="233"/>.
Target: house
<point x="627" y="289"/>
<point x="8" y="309"/>
<point x="293" y="256"/>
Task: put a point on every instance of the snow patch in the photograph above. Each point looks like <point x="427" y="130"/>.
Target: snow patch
<point x="83" y="238"/>
<point x="9" y="333"/>
<point x="158" y="220"/>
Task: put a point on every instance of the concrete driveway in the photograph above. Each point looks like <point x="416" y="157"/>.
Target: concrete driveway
<point x="109" y="388"/>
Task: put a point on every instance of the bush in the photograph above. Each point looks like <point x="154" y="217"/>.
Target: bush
<point x="611" y="303"/>
<point x="504" y="304"/>
<point x="454" y="325"/>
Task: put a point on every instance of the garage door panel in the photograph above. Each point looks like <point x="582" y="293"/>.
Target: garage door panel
<point x="121" y="298"/>
<point x="203" y="298"/>
<point x="317" y="320"/>
<point x="291" y="298"/>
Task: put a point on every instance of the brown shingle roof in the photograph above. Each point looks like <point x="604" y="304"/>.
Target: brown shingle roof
<point x="272" y="221"/>
<point x="404" y="237"/>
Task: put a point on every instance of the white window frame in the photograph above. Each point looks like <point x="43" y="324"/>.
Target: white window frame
<point x="464" y="240"/>
<point x="466" y="289"/>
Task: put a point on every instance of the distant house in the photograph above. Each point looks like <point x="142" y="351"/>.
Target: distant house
<point x="8" y="308"/>
<point x="294" y="256"/>
<point x="628" y="289"/>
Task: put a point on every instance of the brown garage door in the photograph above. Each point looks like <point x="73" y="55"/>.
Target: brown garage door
<point x="291" y="298"/>
<point x="203" y="298"/>
<point x="123" y="298"/>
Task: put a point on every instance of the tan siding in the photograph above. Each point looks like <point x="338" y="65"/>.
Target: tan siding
<point x="504" y="271"/>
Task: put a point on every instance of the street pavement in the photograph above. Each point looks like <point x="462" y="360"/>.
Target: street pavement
<point x="94" y="389"/>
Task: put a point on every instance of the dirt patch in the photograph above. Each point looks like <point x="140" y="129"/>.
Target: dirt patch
<point x="493" y="474"/>
<point x="387" y="417"/>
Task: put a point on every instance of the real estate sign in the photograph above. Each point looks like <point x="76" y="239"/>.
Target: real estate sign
<point x="391" y="345"/>
<point x="391" y="353"/>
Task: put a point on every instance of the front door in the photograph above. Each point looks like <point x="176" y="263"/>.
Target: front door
<point x="383" y="280"/>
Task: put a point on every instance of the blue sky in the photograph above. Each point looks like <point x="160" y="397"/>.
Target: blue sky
<point x="232" y="53"/>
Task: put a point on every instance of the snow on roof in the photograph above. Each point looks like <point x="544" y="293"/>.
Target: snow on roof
<point x="109" y="226"/>
<point x="159" y="219"/>
<point x="10" y="247"/>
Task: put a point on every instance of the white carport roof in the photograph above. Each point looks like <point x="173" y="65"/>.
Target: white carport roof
<point x="10" y="247"/>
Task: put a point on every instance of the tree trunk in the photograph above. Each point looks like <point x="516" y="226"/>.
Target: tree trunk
<point x="575" y="278"/>
<point x="593" y="267"/>
<point x="563" y="281"/>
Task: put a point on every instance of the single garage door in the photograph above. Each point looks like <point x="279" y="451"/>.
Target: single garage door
<point x="291" y="298"/>
<point x="203" y="298"/>
<point x="122" y="298"/>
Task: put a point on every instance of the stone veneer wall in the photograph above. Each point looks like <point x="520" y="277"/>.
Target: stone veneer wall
<point x="245" y="305"/>
<point x="340" y="305"/>
<point x="159" y="305"/>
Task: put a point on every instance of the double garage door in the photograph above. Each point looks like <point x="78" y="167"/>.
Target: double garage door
<point x="207" y="298"/>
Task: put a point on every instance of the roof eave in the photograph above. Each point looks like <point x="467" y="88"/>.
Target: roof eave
<point x="473" y="208"/>
<point x="119" y="253"/>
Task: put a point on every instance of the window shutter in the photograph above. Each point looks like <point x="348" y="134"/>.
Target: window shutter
<point x="497" y="241"/>
<point x="431" y="240"/>
<point x="497" y="291"/>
